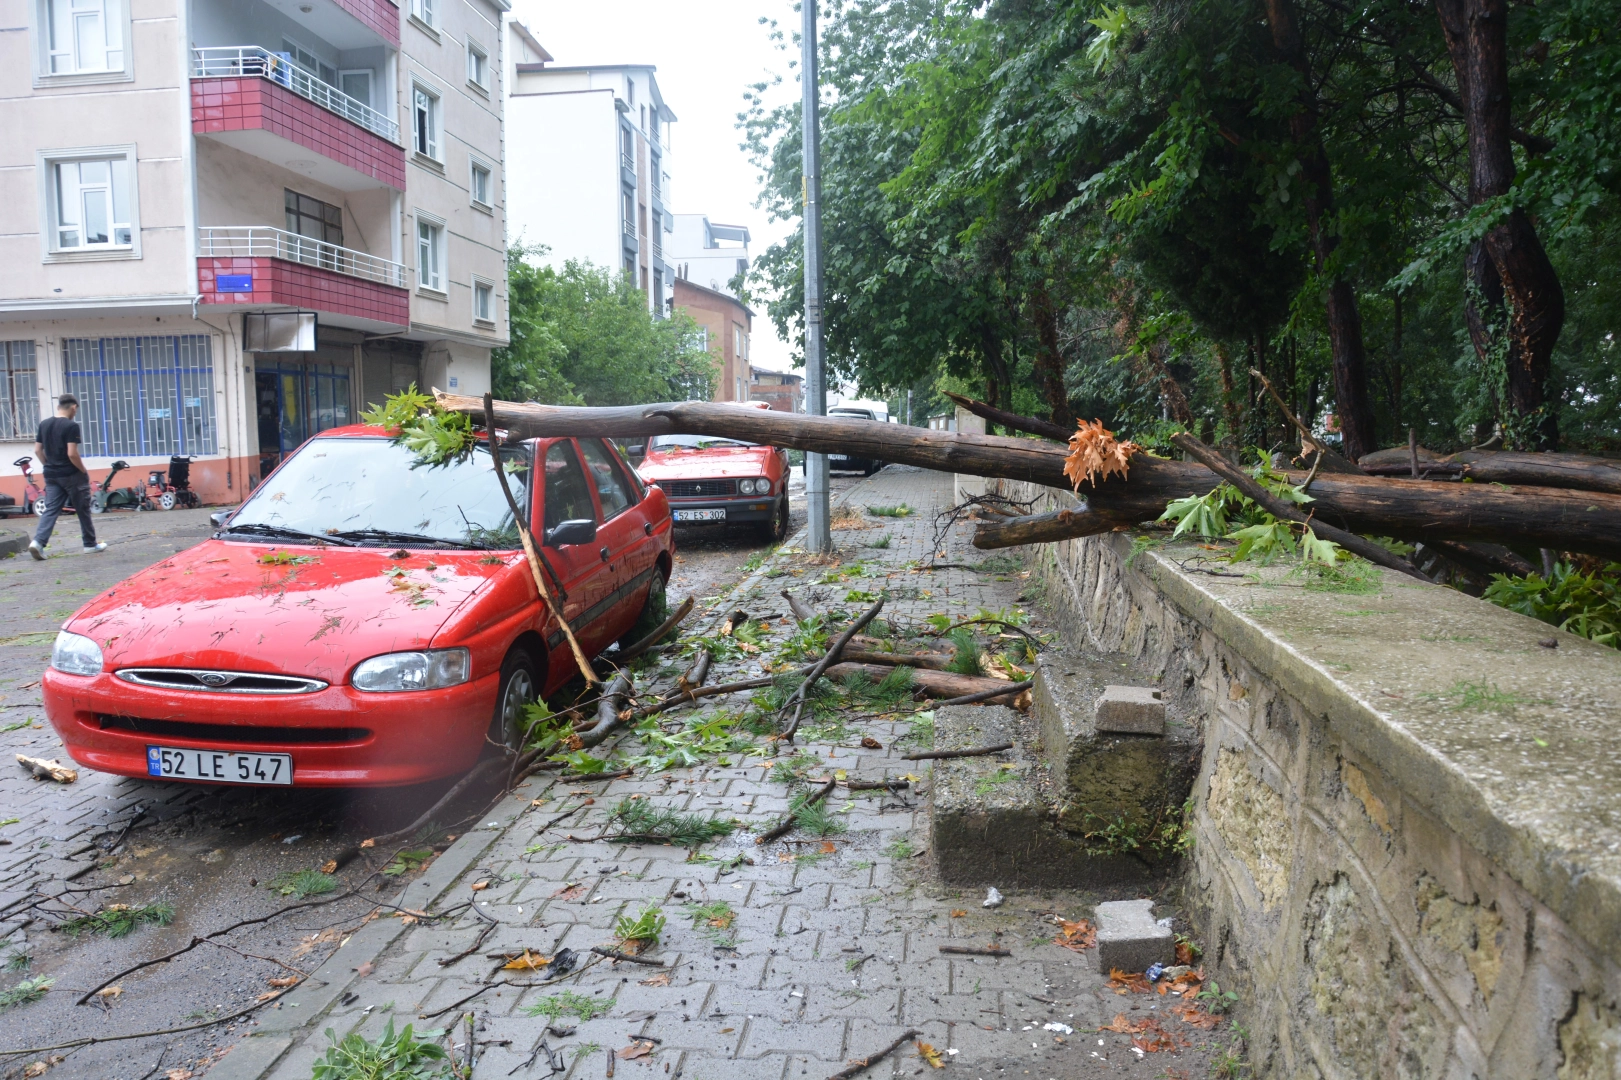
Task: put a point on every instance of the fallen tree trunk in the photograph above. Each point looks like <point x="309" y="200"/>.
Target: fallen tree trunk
<point x="1565" y="520"/>
<point x="1579" y="472"/>
<point x="937" y="684"/>
<point x="1046" y="429"/>
<point x="930" y="661"/>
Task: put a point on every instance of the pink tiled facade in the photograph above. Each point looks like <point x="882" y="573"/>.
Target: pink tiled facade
<point x="244" y="104"/>
<point x="278" y="281"/>
<point x="380" y="15"/>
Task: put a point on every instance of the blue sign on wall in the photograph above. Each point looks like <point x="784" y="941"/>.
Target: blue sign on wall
<point x="233" y="283"/>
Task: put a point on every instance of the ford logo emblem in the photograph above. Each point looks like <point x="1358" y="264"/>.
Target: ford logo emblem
<point x="213" y="678"/>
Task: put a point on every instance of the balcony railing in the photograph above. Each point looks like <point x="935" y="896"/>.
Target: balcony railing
<point x="251" y="61"/>
<point x="264" y="242"/>
<point x="658" y="248"/>
<point x="627" y="161"/>
<point x="630" y="228"/>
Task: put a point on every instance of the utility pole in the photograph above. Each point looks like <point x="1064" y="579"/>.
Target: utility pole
<point x="816" y="495"/>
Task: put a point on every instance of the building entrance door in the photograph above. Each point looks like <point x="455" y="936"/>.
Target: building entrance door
<point x="297" y="398"/>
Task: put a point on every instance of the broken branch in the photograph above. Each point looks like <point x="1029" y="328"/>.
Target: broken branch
<point x="861" y="1065"/>
<point x="783" y="827"/>
<point x="626" y="655"/>
<point x="802" y="613"/>
<point x="832" y="657"/>
<point x="615" y="954"/>
<point x="977" y="751"/>
<point x="983" y="695"/>
<point x="974" y="950"/>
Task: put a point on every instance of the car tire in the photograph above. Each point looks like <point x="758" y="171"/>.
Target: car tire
<point x="655" y="609"/>
<point x="774" y="528"/>
<point x="518" y="687"/>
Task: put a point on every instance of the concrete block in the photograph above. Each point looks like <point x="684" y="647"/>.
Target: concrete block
<point x="1131" y="710"/>
<point x="1130" y="939"/>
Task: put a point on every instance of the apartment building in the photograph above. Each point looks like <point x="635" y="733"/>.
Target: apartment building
<point x="784" y="391"/>
<point x="592" y="146"/>
<point x="227" y="225"/>
<point x="725" y="323"/>
<point x="709" y="253"/>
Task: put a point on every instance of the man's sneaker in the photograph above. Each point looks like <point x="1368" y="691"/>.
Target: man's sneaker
<point x="91" y="549"/>
<point x="35" y="550"/>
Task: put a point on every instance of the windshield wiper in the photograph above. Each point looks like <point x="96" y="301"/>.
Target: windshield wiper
<point x="389" y="536"/>
<point x="255" y="528"/>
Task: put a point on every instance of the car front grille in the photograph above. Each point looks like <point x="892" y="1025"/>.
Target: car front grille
<point x="690" y="489"/>
<point x="220" y="682"/>
<point x="233" y="733"/>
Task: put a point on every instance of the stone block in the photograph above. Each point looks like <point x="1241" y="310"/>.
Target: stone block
<point x="1130" y="939"/>
<point x="1130" y="710"/>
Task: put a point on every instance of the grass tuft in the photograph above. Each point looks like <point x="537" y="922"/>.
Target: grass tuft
<point x="556" y="1006"/>
<point x="401" y="1055"/>
<point x="303" y="883"/>
<point x="815" y="818"/>
<point x="119" y="920"/>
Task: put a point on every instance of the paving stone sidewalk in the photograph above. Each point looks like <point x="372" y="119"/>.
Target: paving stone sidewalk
<point x="833" y="951"/>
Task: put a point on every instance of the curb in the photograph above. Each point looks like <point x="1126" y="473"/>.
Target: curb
<point x="14" y="545"/>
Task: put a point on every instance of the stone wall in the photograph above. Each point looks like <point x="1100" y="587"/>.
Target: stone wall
<point x="1407" y="817"/>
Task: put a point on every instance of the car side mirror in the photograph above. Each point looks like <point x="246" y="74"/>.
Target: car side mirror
<point x="576" y="531"/>
<point x="220" y="517"/>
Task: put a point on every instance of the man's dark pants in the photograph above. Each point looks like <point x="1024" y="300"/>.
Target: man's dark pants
<point x="57" y="494"/>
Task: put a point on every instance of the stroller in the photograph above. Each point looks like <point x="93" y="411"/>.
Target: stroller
<point x="175" y="490"/>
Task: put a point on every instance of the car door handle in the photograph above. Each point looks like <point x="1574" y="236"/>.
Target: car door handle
<point x="604" y="554"/>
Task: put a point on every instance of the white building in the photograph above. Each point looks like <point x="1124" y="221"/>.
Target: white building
<point x="708" y="253"/>
<point x="226" y="225"/>
<point x="590" y="148"/>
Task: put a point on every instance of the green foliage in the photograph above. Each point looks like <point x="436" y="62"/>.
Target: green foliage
<point x="990" y="781"/>
<point x="303" y="883"/>
<point x="1203" y="515"/>
<point x="1169" y="834"/>
<point x="885" y="695"/>
<point x="965" y="653"/>
<point x="433" y="435"/>
<point x="26" y="991"/>
<point x="715" y="921"/>
<point x="1216" y="1000"/>
<point x="644" y="928"/>
<point x="921" y="733"/>
<point x="405" y="862"/>
<point x="881" y="542"/>
<point x="556" y="1006"/>
<point x="392" y="1056"/>
<point x="900" y="848"/>
<point x="119" y="920"/>
<point x="583" y="335"/>
<point x="638" y="820"/>
<point x="814" y="817"/>
<point x="794" y="770"/>
<point x="900" y="511"/>
<point x="1586" y="604"/>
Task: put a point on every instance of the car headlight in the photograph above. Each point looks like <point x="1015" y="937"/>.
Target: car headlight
<point x="76" y="654"/>
<point x="752" y="487"/>
<point x="413" y="670"/>
<point x="745" y="487"/>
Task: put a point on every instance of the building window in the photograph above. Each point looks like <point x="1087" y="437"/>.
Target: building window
<point x="84" y="37"/>
<point x="430" y="254"/>
<point x="483" y="302"/>
<point x="425" y="121"/>
<point x="627" y="149"/>
<point x="627" y="209"/>
<point x="739" y="384"/>
<point x="740" y="342"/>
<point x="143" y="396"/>
<point x="658" y="293"/>
<point x="478" y="66"/>
<point x="19" y="390"/>
<point x="424" y="12"/>
<point x="311" y="63"/>
<point x="91" y="202"/>
<point x="356" y="84"/>
<point x="479" y="184"/>
<point x="313" y="218"/>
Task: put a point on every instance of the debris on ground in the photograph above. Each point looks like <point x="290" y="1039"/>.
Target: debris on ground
<point x="48" y="770"/>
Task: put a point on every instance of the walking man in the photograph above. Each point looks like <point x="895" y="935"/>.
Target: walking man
<point x="57" y="447"/>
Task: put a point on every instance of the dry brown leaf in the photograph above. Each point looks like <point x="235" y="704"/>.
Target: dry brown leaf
<point x="1122" y="982"/>
<point x="1195" y="1016"/>
<point x="829" y="847"/>
<point x="364" y="844"/>
<point x="365" y="969"/>
<point x="1184" y="953"/>
<point x="527" y="962"/>
<point x="37" y="1068"/>
<point x="1076" y="935"/>
<point x="957" y="913"/>
<point x="109" y="993"/>
<point x="480" y="886"/>
<point x="285" y="981"/>
<point x="1095" y="454"/>
<point x="637" y="1049"/>
<point x="268" y="995"/>
<point x="178" y="1074"/>
<point x="871" y="743"/>
<point x="572" y="891"/>
<point x="661" y="979"/>
<point x="330" y="866"/>
<point x="1124" y="1026"/>
<point x="930" y="1054"/>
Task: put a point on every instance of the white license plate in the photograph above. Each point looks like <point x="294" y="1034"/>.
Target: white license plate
<point x="219" y="766"/>
<point x="699" y="515"/>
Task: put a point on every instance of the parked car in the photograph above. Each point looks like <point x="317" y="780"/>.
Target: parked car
<point x="713" y="481"/>
<point x="359" y="621"/>
<point x="847" y="462"/>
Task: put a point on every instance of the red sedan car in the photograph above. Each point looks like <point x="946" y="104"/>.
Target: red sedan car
<point x="359" y="621"/>
<point x="712" y="481"/>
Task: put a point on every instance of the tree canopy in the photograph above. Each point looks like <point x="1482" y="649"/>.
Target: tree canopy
<point x="1086" y="209"/>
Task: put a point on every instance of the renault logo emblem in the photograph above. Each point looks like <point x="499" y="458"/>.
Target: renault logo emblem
<point x="214" y="678"/>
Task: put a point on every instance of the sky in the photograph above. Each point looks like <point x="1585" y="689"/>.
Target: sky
<point x="706" y="54"/>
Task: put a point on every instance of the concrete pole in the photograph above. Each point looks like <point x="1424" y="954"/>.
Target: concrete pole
<point x="820" y="536"/>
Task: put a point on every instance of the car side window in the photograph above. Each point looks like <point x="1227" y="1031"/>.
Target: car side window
<point x="567" y="496"/>
<point x="611" y="489"/>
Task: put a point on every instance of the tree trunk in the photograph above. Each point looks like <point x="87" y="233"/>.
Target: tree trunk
<point x="1049" y="360"/>
<point x="1229" y="407"/>
<point x="1351" y="403"/>
<point x="1476" y="33"/>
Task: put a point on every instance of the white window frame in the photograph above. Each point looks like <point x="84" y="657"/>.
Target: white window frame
<point x="435" y="140"/>
<point x="434" y="281"/>
<point x="426" y="12"/>
<point x="371" y="83"/>
<point x="486" y="284"/>
<point x="474" y="49"/>
<point x="44" y="76"/>
<point x="47" y="161"/>
<point x="475" y="165"/>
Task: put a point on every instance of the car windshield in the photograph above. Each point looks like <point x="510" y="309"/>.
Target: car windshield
<point x="692" y="442"/>
<point x="365" y="491"/>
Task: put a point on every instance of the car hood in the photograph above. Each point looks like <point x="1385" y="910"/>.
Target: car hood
<point x="297" y="610"/>
<point x="685" y="464"/>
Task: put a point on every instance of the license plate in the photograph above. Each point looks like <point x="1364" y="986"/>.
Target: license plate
<point x="699" y="515"/>
<point x="219" y="766"/>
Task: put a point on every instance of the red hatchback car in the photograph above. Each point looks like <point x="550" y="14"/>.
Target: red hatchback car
<point x="713" y="481"/>
<point x="359" y="621"/>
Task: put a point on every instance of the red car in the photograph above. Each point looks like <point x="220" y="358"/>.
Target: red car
<point x="713" y="481"/>
<point x="359" y="621"/>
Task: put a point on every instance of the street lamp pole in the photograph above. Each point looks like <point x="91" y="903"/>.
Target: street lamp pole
<point x="820" y="538"/>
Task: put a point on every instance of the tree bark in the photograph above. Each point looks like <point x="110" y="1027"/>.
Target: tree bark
<point x="1013" y="420"/>
<point x="1049" y="361"/>
<point x="1476" y="33"/>
<point x="1352" y="406"/>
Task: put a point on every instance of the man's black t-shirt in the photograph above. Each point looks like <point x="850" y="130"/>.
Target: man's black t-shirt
<point x="55" y="432"/>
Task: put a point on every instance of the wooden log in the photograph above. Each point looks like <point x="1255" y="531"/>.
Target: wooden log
<point x="609" y="706"/>
<point x="1577" y="472"/>
<point x="1035" y="426"/>
<point x="932" y="661"/>
<point x="1564" y="520"/>
<point x="933" y="684"/>
<point x="975" y="751"/>
<point x="658" y="635"/>
<point x="802" y="613"/>
<point x="1047" y="528"/>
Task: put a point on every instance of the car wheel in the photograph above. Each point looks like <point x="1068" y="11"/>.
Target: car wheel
<point x="654" y="611"/>
<point x="516" y="689"/>
<point x="774" y="528"/>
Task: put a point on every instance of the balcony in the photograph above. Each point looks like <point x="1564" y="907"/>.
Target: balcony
<point x="267" y="267"/>
<point x="263" y="104"/>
